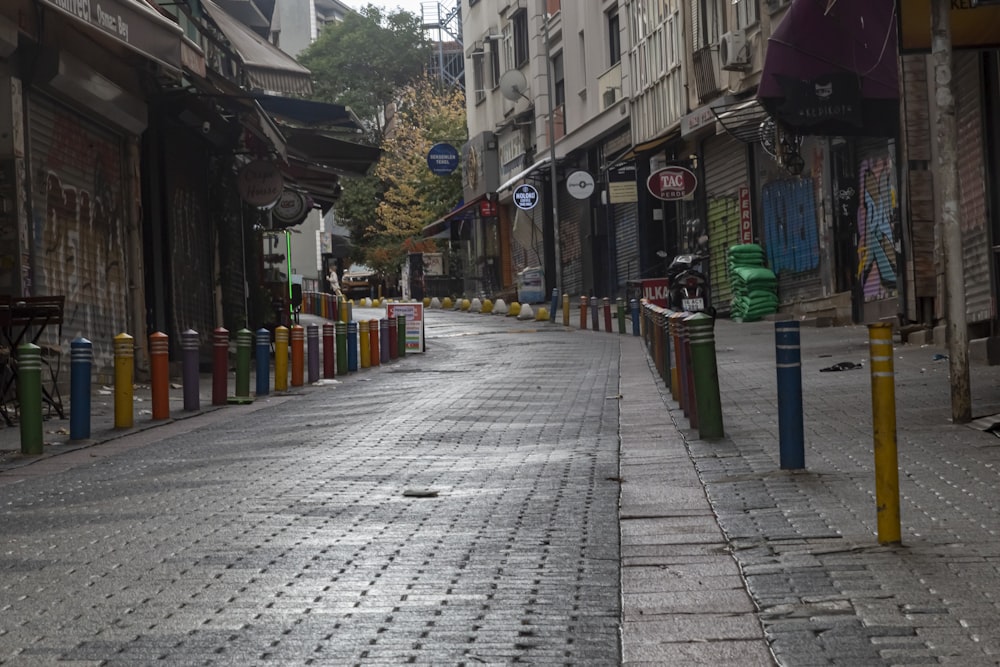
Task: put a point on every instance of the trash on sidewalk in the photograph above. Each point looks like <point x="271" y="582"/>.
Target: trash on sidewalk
<point x="842" y="366"/>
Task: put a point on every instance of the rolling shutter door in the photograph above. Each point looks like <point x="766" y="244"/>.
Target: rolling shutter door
<point x="725" y="171"/>
<point x="877" y="252"/>
<point x="626" y="225"/>
<point x="570" y="220"/>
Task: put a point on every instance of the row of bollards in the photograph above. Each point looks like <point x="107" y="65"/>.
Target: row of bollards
<point x="596" y="307"/>
<point x="344" y="350"/>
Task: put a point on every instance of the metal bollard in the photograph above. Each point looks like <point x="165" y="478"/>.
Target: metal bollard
<point x="788" y="361"/>
<point x="606" y="303"/>
<point x="29" y="397"/>
<point x="883" y="379"/>
<point x="555" y="305"/>
<point x="124" y="391"/>
<point x="383" y="330"/>
<point x="620" y="313"/>
<point x="565" y="309"/>
<point x="81" y="365"/>
<point x="675" y="370"/>
<point x="352" y="346"/>
<point x="281" y="358"/>
<point x="244" y="341"/>
<point x="595" y="308"/>
<point x="341" y="342"/>
<point x="642" y="320"/>
<point x="263" y="362"/>
<point x="374" y="348"/>
<point x="393" y="340"/>
<point x="159" y="374"/>
<point x="298" y="338"/>
<point x="634" y="304"/>
<point x="401" y="334"/>
<point x="220" y="365"/>
<point x="705" y="370"/>
<point x="689" y="399"/>
<point x="365" y="344"/>
<point x="312" y="343"/>
<point x="668" y="354"/>
<point x="583" y="312"/>
<point x="329" y="360"/>
<point x="189" y="370"/>
<point x="342" y="309"/>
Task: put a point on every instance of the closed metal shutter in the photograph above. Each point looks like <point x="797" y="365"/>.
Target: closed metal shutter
<point x="877" y="214"/>
<point x="625" y="218"/>
<point x="571" y="218"/>
<point x="78" y="204"/>
<point x="976" y="244"/>
<point x="725" y="171"/>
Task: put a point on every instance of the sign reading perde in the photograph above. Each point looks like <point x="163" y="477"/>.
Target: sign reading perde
<point x="672" y="183"/>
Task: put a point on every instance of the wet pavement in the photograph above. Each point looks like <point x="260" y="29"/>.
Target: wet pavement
<point x="521" y="493"/>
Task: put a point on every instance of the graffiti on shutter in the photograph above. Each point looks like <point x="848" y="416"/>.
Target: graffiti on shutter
<point x="877" y="217"/>
<point x="725" y="172"/>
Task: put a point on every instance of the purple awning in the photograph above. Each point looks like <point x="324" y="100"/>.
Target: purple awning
<point x="830" y="68"/>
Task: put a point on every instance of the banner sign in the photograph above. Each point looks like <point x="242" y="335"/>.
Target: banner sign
<point x="414" y="323"/>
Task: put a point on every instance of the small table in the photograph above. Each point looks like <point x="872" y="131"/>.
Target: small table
<point x="24" y="320"/>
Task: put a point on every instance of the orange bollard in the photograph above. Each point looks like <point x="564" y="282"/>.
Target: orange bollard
<point x="374" y="348"/>
<point x="159" y="362"/>
<point x="298" y="354"/>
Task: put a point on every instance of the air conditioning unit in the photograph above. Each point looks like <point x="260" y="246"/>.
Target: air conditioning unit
<point x="609" y="97"/>
<point x="733" y="51"/>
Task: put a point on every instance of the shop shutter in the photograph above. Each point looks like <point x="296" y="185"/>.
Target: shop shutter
<point x="625" y="218"/>
<point x="79" y="217"/>
<point x="725" y="171"/>
<point x="877" y="245"/>
<point x="571" y="218"/>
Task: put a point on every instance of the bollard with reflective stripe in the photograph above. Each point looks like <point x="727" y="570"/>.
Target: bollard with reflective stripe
<point x="788" y="360"/>
<point x="643" y="323"/>
<point x="595" y="313"/>
<point x="220" y="366"/>
<point x="124" y="391"/>
<point x="189" y="370"/>
<point x="281" y="358"/>
<point x="689" y="397"/>
<point x="298" y="338"/>
<point x="673" y="320"/>
<point x="401" y="334"/>
<point x="636" y="326"/>
<point x="565" y="309"/>
<point x="341" y="342"/>
<point x="365" y="344"/>
<point x="884" y="426"/>
<point x="263" y="354"/>
<point x="374" y="348"/>
<point x="393" y="340"/>
<point x="583" y="312"/>
<point x="657" y="342"/>
<point x="620" y="314"/>
<point x="81" y="365"/>
<point x="329" y="360"/>
<point x="244" y="341"/>
<point x="342" y="309"/>
<point x="554" y="305"/>
<point x="606" y="303"/>
<point x="312" y="343"/>
<point x="383" y="340"/>
<point x="159" y="376"/>
<point x="701" y="332"/>
<point x="668" y="362"/>
<point x="29" y="397"/>
<point x="352" y="346"/>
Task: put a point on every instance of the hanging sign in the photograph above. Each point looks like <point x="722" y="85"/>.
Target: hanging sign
<point x="580" y="184"/>
<point x="291" y="209"/>
<point x="442" y="159"/>
<point x="746" y="222"/>
<point x="260" y="183"/>
<point x="525" y="197"/>
<point x="672" y="183"/>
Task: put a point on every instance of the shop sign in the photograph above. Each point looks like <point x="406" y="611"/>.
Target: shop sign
<point x="291" y="209"/>
<point x="442" y="159"/>
<point x="672" y="183"/>
<point x="525" y="197"/>
<point x="746" y="223"/>
<point x="260" y="183"/>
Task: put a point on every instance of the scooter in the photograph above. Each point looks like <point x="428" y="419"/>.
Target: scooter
<point x="687" y="285"/>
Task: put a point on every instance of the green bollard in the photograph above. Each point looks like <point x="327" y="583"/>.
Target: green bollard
<point x="401" y="334"/>
<point x="701" y="337"/>
<point x="29" y="395"/>
<point x="340" y="330"/>
<point x="621" y="315"/>
<point x="244" y="341"/>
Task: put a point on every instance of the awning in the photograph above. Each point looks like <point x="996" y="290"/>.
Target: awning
<point x="308" y="112"/>
<point x="132" y="23"/>
<point x="440" y="227"/>
<point x="266" y="67"/>
<point x="520" y="176"/>
<point x="342" y="157"/>
<point x="742" y="119"/>
<point x="830" y="69"/>
<point x="649" y="146"/>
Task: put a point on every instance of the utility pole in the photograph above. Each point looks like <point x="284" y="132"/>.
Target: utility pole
<point x="951" y="233"/>
<point x="554" y="189"/>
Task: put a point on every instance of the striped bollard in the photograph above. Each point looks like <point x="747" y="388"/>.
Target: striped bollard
<point x="668" y="354"/>
<point x="159" y="376"/>
<point x="374" y="348"/>
<point x="312" y="339"/>
<point x="634" y="304"/>
<point x="29" y="397"/>
<point x="565" y="309"/>
<point x="365" y="342"/>
<point x="263" y="355"/>
<point x="676" y="376"/>
<point x="705" y="371"/>
<point x="124" y="391"/>
<point x="689" y="398"/>
<point x="220" y="366"/>
<point x="883" y="380"/>
<point x="555" y="305"/>
<point x="341" y="343"/>
<point x="606" y="303"/>
<point x="244" y="341"/>
<point x="298" y="338"/>
<point x="189" y="370"/>
<point x="329" y="343"/>
<point x="401" y="335"/>
<point x="393" y="340"/>
<point x="281" y="358"/>
<point x="595" y="313"/>
<point x="583" y="312"/>
<point x="383" y="340"/>
<point x="352" y="346"/>
<point x="81" y="366"/>
<point x="788" y="361"/>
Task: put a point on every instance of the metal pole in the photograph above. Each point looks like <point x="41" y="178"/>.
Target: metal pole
<point x="788" y="361"/>
<point x="951" y="236"/>
<point x="883" y="379"/>
<point x="554" y="189"/>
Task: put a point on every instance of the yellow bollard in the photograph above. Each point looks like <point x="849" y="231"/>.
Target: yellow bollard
<point x="565" y="307"/>
<point x="514" y="310"/>
<point x="281" y="359"/>
<point x="446" y="303"/>
<point x="124" y="391"/>
<point x="884" y="427"/>
<point x="366" y="355"/>
<point x="542" y="314"/>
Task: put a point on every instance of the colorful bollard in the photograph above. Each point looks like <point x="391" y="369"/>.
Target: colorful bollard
<point x="312" y="343"/>
<point x="29" y="396"/>
<point x="281" y="358"/>
<point x="565" y="309"/>
<point x="220" y="366"/>
<point x="620" y="310"/>
<point x="374" y="348"/>
<point x="298" y="337"/>
<point x="554" y="305"/>
<point x="606" y="303"/>
<point x="705" y="371"/>
<point x="595" y="313"/>
<point x="190" y="378"/>
<point x="159" y="374"/>
<point x="883" y="381"/>
<point x="81" y="366"/>
<point x="263" y="355"/>
<point x="393" y="340"/>
<point x="341" y="342"/>
<point x="365" y="344"/>
<point x="675" y="370"/>
<point x="689" y="398"/>
<point x="583" y="312"/>
<point x="329" y="343"/>
<point x="788" y="361"/>
<point x="636" y="326"/>
<point x="383" y="340"/>
<point x="244" y="341"/>
<point x="401" y="335"/>
<point x="124" y="391"/>
<point x="352" y="347"/>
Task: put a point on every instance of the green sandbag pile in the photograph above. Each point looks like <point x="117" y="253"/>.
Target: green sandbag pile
<point x="755" y="287"/>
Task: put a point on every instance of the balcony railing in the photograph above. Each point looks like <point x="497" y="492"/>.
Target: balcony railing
<point x="706" y="70"/>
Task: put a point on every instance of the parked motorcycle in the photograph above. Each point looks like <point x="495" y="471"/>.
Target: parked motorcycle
<point x="688" y="285"/>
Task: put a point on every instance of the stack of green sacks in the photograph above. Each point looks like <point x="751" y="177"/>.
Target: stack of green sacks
<point x="755" y="287"/>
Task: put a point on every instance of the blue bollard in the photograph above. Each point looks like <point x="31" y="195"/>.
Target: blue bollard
<point x="555" y="304"/>
<point x="634" y="304"/>
<point x="81" y="364"/>
<point x="788" y="355"/>
<point x="312" y="344"/>
<point x="352" y="346"/>
<point x="263" y="361"/>
<point x="189" y="370"/>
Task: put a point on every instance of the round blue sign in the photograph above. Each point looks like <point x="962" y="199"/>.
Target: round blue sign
<point x="525" y="197"/>
<point x="442" y="159"/>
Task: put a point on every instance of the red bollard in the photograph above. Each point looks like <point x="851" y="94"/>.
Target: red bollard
<point x="159" y="362"/>
<point x="393" y="341"/>
<point x="298" y="354"/>
<point x="220" y="366"/>
<point x="607" y="314"/>
<point x="583" y="312"/>
<point x="329" y="360"/>
<point x="376" y="349"/>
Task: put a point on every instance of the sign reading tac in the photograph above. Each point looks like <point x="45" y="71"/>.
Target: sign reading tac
<point x="672" y="183"/>
<point x="525" y="197"/>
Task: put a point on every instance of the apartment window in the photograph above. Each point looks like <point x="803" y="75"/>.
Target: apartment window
<point x="478" y="81"/>
<point x="614" y="39"/>
<point x="508" y="47"/>
<point x="520" y="25"/>
<point x="746" y="13"/>
<point x="558" y="79"/>
<point x="495" y="63"/>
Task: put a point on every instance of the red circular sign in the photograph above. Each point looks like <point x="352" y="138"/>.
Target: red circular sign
<point x="672" y="183"/>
